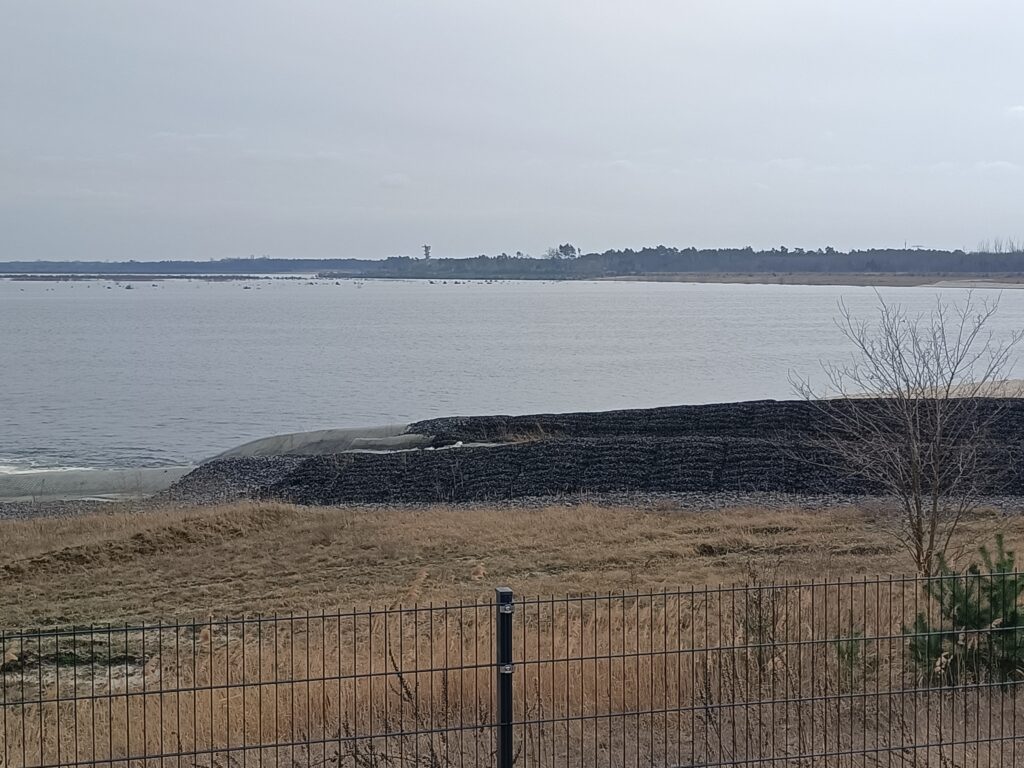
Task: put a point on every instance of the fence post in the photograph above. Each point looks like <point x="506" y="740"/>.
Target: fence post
<point x="504" y="674"/>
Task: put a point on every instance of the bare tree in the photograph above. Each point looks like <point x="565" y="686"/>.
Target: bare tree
<point x="917" y="411"/>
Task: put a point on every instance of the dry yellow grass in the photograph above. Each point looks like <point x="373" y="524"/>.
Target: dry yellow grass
<point x="704" y="677"/>
<point x="701" y="664"/>
<point x="247" y="558"/>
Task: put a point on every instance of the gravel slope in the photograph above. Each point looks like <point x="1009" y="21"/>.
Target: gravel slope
<point x="736" y="449"/>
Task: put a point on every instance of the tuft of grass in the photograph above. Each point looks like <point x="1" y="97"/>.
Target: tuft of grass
<point x="525" y="434"/>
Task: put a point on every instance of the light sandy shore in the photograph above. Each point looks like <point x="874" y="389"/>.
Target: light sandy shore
<point x="868" y="279"/>
<point x="992" y="284"/>
<point x="128" y="484"/>
<point x="325" y="441"/>
<point x="99" y="484"/>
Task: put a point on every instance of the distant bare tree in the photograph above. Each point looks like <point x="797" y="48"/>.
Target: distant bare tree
<point x="916" y="419"/>
<point x="999" y="245"/>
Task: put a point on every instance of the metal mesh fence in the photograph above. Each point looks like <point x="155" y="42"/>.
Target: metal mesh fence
<point x="893" y="672"/>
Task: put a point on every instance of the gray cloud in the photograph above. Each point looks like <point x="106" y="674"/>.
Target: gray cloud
<point x="395" y="181"/>
<point x="365" y="128"/>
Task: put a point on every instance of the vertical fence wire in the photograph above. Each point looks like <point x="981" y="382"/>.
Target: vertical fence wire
<point x="858" y="672"/>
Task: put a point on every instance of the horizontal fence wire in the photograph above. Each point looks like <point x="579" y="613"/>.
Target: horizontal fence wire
<point x="868" y="672"/>
<point x="833" y="673"/>
<point x="376" y="687"/>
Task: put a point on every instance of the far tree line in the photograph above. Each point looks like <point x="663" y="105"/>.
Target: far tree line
<point x="567" y="261"/>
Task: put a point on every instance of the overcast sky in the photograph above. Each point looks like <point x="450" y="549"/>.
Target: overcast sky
<point x="350" y="128"/>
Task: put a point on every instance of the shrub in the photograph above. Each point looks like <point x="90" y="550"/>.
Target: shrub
<point x="975" y="630"/>
<point x="854" y="663"/>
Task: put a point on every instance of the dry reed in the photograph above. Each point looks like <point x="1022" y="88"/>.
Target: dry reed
<point x="759" y="675"/>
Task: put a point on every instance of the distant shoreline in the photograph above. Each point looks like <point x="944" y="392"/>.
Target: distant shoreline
<point x="866" y="279"/>
<point x="859" y="279"/>
<point x="118" y="277"/>
<point x="874" y="266"/>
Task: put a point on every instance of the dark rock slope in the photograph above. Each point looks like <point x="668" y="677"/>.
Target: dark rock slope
<point x="555" y="467"/>
<point x="759" y="419"/>
<point x="763" y="446"/>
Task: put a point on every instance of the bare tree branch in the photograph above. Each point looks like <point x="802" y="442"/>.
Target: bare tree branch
<point x="910" y="420"/>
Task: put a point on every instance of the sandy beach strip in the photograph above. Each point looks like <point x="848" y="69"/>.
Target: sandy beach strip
<point x="867" y="279"/>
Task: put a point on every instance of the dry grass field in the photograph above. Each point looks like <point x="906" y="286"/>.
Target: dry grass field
<point x="706" y="676"/>
<point x="263" y="558"/>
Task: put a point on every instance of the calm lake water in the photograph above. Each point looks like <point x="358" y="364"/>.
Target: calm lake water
<point x="94" y="375"/>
